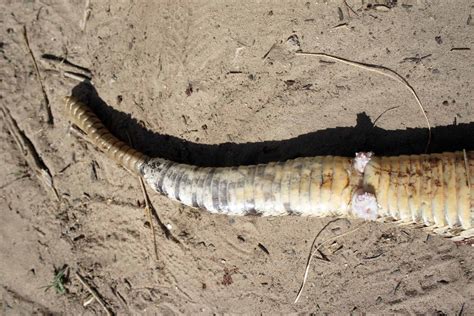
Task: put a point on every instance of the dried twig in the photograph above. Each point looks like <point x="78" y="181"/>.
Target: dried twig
<point x="80" y="73"/>
<point x="77" y="76"/>
<point x="148" y="213"/>
<point x="29" y="151"/>
<point x="383" y="71"/>
<point x="459" y="48"/>
<point x="268" y="52"/>
<point x="77" y="132"/>
<point x="150" y="210"/>
<point x="64" y="61"/>
<point x="71" y="75"/>
<point x="94" y="293"/>
<point x="153" y="211"/>
<point x="466" y="165"/>
<point x="350" y="8"/>
<point x="87" y="14"/>
<point x="385" y="111"/>
<point x="314" y="251"/>
<point x="417" y="59"/>
<point x="340" y="14"/>
<point x="45" y="95"/>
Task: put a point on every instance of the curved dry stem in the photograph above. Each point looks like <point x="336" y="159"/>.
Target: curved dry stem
<point x="385" y="71"/>
<point x="314" y="251"/>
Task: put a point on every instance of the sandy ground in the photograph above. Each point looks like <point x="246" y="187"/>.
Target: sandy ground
<point x="218" y="83"/>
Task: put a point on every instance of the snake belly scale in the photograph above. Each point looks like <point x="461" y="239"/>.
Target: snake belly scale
<point x="434" y="190"/>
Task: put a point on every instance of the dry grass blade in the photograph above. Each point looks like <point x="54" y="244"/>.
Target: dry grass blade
<point x="29" y="151"/>
<point x="466" y="165"/>
<point x="43" y="90"/>
<point x="153" y="211"/>
<point x="382" y="71"/>
<point x="313" y="252"/>
<point x="94" y="293"/>
<point x="150" y="210"/>
<point x="70" y="75"/>
<point x="63" y="61"/>
<point x="350" y="8"/>
<point x="381" y="114"/>
<point x="78" y="77"/>
<point x="148" y="213"/>
<point x="86" y="15"/>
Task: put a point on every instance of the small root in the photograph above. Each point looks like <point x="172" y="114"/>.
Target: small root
<point x="313" y="252"/>
<point x="385" y="71"/>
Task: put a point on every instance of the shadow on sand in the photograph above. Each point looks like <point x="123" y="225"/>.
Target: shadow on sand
<point x="342" y="141"/>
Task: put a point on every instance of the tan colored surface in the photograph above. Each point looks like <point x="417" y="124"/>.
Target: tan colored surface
<point x="81" y="115"/>
<point x="444" y="204"/>
<point x="150" y="54"/>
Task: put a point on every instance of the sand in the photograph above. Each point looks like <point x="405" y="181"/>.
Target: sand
<point x="218" y="83"/>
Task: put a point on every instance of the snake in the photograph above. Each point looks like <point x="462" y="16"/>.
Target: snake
<point x="435" y="191"/>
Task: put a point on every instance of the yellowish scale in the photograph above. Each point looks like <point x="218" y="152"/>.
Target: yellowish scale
<point x="340" y="183"/>
<point x="276" y="190"/>
<point x="404" y="189"/>
<point x="450" y="193"/>
<point x="326" y="185"/>
<point x="305" y="199"/>
<point x="315" y="187"/>
<point x="438" y="191"/>
<point x="435" y="190"/>
<point x="294" y="184"/>
<point x="462" y="187"/>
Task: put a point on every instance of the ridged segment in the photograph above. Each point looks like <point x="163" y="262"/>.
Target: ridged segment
<point x="304" y="189"/>
<point x="315" y="185"/>
<point x="341" y="188"/>
<point x="404" y="192"/>
<point x="310" y="186"/>
<point x="327" y="180"/>
<point x="295" y="198"/>
<point x="462" y="187"/>
<point x="426" y="191"/>
<point x="393" y="187"/>
<point x="89" y="123"/>
<point x="436" y="190"/>
<point x="450" y="191"/>
<point x="414" y="188"/>
<point x="469" y="162"/>
<point x="433" y="189"/>
<point x="278" y="207"/>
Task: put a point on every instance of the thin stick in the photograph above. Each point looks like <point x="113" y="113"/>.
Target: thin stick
<point x="268" y="52"/>
<point x="313" y="252"/>
<point x="60" y="61"/>
<point x="87" y="14"/>
<point x="94" y="293"/>
<point x="381" y="114"/>
<point x="71" y="75"/>
<point x="89" y="301"/>
<point x="163" y="227"/>
<point x="77" y="76"/>
<point x="148" y="213"/>
<point x="466" y="165"/>
<point x="350" y="8"/>
<point x="31" y="155"/>
<point x="382" y="71"/>
<point x="45" y="96"/>
<point x="152" y="211"/>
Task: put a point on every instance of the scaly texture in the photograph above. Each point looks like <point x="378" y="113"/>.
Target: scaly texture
<point x="317" y="186"/>
<point x="435" y="190"/>
<point x="82" y="116"/>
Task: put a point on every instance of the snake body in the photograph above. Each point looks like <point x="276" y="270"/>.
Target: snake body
<point x="435" y="190"/>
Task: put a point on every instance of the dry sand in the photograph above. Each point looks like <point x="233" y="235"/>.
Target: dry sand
<point x="189" y="81"/>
